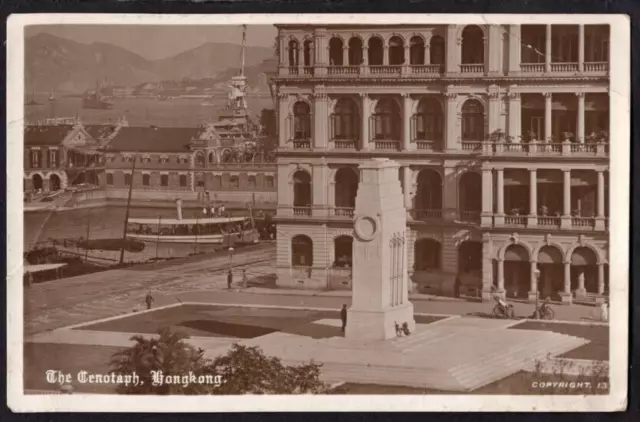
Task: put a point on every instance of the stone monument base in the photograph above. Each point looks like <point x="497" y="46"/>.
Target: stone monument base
<point x="378" y="325"/>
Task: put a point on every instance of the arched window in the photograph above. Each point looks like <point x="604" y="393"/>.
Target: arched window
<point x="293" y="53"/>
<point x="387" y="120"/>
<point x="343" y="252"/>
<point x="396" y="51"/>
<point x="355" y="51"/>
<point x="335" y="52"/>
<point x="375" y="51"/>
<point x="472" y="121"/>
<point x="36" y="158"/>
<point x="346" y="188"/>
<point x="429" y="120"/>
<point x="307" y="52"/>
<point x="183" y="180"/>
<point x="146" y="180"/>
<point x="427" y="255"/>
<point x="429" y="192"/>
<point x="37" y="182"/>
<point x="472" y="45"/>
<point x="470" y="192"/>
<point x="301" y="189"/>
<point x="346" y="121"/>
<point x="164" y="180"/>
<point x="199" y="159"/>
<point x="212" y="157"/>
<point x="301" y="121"/>
<point x="301" y="251"/>
<point x="436" y="50"/>
<point x="416" y="50"/>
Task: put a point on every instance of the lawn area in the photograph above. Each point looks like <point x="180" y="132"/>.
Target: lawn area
<point x="68" y="358"/>
<point x="598" y="335"/>
<point x="230" y="321"/>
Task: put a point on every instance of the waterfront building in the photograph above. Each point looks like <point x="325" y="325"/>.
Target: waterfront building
<point x="501" y="132"/>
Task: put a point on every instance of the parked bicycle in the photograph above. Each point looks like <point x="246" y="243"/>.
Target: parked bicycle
<point x="503" y="309"/>
<point x="544" y="311"/>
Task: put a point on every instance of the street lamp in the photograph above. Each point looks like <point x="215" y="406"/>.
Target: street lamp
<point x="536" y="274"/>
<point x="230" y="258"/>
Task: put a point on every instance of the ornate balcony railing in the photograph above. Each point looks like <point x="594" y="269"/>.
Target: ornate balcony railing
<point x="343" y="70"/>
<point x="471" y="145"/>
<point x="515" y="220"/>
<point x="584" y="148"/>
<point x="307" y="70"/>
<point x="426" y="69"/>
<point x="344" y="144"/>
<point x="532" y="67"/>
<point x="426" y="214"/>
<point x="470" y="216"/>
<point x="302" y="143"/>
<point x="564" y="67"/>
<point x="387" y="145"/>
<point x="596" y="66"/>
<point x="385" y="70"/>
<point x="532" y="148"/>
<point x="472" y="68"/>
<point x="293" y="70"/>
<point x="588" y="222"/>
<point x="545" y="221"/>
<point x="302" y="211"/>
<point x="343" y="211"/>
<point x="424" y="145"/>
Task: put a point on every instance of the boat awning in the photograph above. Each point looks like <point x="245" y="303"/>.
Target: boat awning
<point x="42" y="267"/>
<point x="186" y="221"/>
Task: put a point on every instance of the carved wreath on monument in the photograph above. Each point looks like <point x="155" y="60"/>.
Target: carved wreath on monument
<point x="365" y="228"/>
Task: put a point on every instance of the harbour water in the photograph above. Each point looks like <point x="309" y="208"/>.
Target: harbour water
<point x="179" y="112"/>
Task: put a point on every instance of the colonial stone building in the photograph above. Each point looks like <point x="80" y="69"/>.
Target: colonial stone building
<point x="190" y="163"/>
<point x="502" y="136"/>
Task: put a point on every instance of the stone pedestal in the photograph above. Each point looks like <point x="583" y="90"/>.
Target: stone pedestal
<point x="532" y="296"/>
<point x="380" y="297"/>
<point x="566" y="298"/>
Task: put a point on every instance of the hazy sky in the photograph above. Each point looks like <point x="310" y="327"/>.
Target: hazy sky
<point x="155" y="41"/>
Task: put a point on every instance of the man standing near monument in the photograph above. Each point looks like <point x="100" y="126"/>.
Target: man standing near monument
<point x="343" y="317"/>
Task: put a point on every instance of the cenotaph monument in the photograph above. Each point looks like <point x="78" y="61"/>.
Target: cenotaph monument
<point x="380" y="280"/>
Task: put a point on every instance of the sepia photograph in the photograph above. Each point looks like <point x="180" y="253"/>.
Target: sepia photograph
<point x="375" y="212"/>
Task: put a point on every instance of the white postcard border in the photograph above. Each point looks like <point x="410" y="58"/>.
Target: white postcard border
<point x="618" y="256"/>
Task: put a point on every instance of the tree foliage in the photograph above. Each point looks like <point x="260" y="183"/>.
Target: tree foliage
<point x="243" y="370"/>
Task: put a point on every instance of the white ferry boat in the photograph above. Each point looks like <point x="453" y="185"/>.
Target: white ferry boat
<point x="212" y="230"/>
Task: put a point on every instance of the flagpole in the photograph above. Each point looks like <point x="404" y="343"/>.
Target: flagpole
<point x="158" y="238"/>
<point x="126" y="214"/>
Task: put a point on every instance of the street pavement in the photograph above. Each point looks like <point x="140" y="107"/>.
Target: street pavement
<point x="203" y="279"/>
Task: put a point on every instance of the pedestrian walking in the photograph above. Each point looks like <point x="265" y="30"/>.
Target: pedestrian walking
<point x="456" y="286"/>
<point x="229" y="279"/>
<point x="343" y="317"/>
<point x="149" y="299"/>
<point x="244" y="278"/>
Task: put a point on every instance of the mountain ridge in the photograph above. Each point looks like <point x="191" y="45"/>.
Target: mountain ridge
<point x="64" y="65"/>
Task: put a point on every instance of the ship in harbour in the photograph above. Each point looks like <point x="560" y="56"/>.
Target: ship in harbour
<point x="95" y="99"/>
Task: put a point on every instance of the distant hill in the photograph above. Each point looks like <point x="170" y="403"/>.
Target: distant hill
<point x="63" y="65"/>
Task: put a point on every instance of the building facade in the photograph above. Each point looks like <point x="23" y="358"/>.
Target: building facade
<point x="501" y="132"/>
<point x="190" y="163"/>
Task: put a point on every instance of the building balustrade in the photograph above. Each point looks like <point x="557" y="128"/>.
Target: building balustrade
<point x="343" y="70"/>
<point x="564" y="67"/>
<point x="422" y="145"/>
<point x="427" y="69"/>
<point x="426" y="214"/>
<point x="343" y="211"/>
<point x="308" y="70"/>
<point x="532" y="67"/>
<point x="471" y="145"/>
<point x="550" y="149"/>
<point x="344" y="144"/>
<point x="385" y="70"/>
<point x="472" y="68"/>
<point x="588" y="222"/>
<point x="293" y="70"/>
<point x="387" y="145"/>
<point x="302" y="211"/>
<point x="302" y="143"/>
<point x="596" y="67"/>
<point x="515" y="220"/>
<point x="545" y="221"/>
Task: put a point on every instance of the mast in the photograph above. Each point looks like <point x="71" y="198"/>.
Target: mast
<point x="242" y="50"/>
<point x="126" y="215"/>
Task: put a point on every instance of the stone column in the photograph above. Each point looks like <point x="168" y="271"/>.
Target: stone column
<point x="486" y="219"/>
<point x="407" y="109"/>
<point x="514" y="49"/>
<point x="499" y="217"/>
<point x="500" y="276"/>
<point x="515" y="111"/>
<point x="320" y="184"/>
<point x="566" y="295"/>
<point x="451" y="122"/>
<point x="385" y="54"/>
<point x="533" y="198"/>
<point x="600" y="279"/>
<point x="320" y="45"/>
<point x="407" y="186"/>
<point x="600" y="217"/>
<point x="345" y="55"/>
<point x="565" y="222"/>
<point x="366" y="117"/>
<point x="364" y="68"/>
<point x="494" y="46"/>
<point x="533" y="286"/>
<point x="449" y="193"/>
<point x="547" y="50"/>
<point x="580" y="47"/>
<point x="452" y="47"/>
<point x="427" y="55"/>
<point x="320" y="120"/>
<point x="494" y="110"/>
<point x="285" y="190"/>
<point x="580" y="123"/>
<point x="581" y="291"/>
<point x="487" y="267"/>
<point x="283" y="120"/>
<point x="547" y="116"/>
